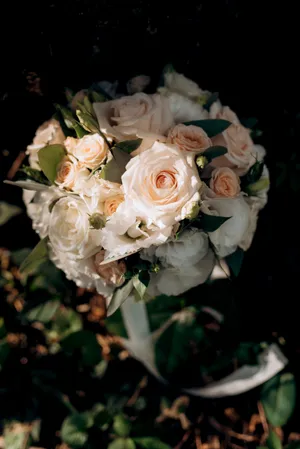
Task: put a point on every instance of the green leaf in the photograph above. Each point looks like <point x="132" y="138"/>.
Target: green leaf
<point x="151" y="443"/>
<point x="44" y="312"/>
<point x="115" y="168"/>
<point x="140" y="284"/>
<point x="66" y="322"/>
<point x="2" y="328"/>
<point x="253" y="174"/>
<point x="120" y="295"/>
<point x="35" y="175"/>
<point x="213" y="152"/>
<point x="38" y="255"/>
<point x="210" y="223"/>
<point x="102" y="418"/>
<point x="70" y="121"/>
<point x="49" y="159"/>
<point x="278" y="397"/>
<point x="115" y="324"/>
<point x="249" y="122"/>
<point x="19" y="255"/>
<point x="212" y="99"/>
<point x="121" y="426"/>
<point x="97" y="97"/>
<point x="85" y="343"/>
<point x="212" y="127"/>
<point x="74" y="430"/>
<point x="16" y="436"/>
<point x="122" y="443"/>
<point x="273" y="441"/>
<point x="262" y="184"/>
<point x="293" y="445"/>
<point x="176" y="344"/>
<point x="128" y="145"/>
<point x="87" y="122"/>
<point x="235" y="261"/>
<point x="8" y="211"/>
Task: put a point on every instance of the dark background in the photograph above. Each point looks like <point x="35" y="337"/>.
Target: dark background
<point x="226" y="46"/>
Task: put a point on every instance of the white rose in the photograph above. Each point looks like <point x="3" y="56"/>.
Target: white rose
<point x="49" y="133"/>
<point x="69" y="229"/>
<point x="184" y="110"/>
<point x="159" y="182"/>
<point x="91" y="150"/>
<point x="228" y="236"/>
<point x="38" y="204"/>
<point x="71" y="174"/>
<point x="187" y="262"/>
<point x="139" y="115"/>
<point x="177" y="82"/>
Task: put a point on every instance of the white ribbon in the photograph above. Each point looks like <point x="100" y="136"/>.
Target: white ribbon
<point x="141" y="346"/>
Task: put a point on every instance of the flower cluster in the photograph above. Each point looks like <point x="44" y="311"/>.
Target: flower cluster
<point x="172" y="180"/>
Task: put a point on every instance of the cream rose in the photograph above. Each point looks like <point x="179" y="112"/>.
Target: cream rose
<point x="111" y="273"/>
<point x="91" y="150"/>
<point x="225" y="183"/>
<point x="159" y="182"/>
<point x="71" y="174"/>
<point x="189" y="138"/>
<point x="112" y="204"/>
<point x="49" y="133"/>
<point x="69" y="229"/>
<point x="139" y="115"/>
<point x="241" y="153"/>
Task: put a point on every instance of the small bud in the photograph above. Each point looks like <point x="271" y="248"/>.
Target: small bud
<point x="192" y="210"/>
<point x="155" y="268"/>
<point x="97" y="221"/>
<point x="256" y="187"/>
<point x="201" y="161"/>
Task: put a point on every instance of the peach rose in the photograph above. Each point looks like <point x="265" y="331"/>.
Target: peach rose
<point x="49" y="133"/>
<point x="112" y="204"/>
<point x="189" y="138"/>
<point x="241" y="153"/>
<point x="225" y="183"/>
<point x="70" y="172"/>
<point x="91" y="150"/>
<point x="111" y="273"/>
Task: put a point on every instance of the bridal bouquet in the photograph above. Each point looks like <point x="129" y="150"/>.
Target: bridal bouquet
<point x="143" y="195"/>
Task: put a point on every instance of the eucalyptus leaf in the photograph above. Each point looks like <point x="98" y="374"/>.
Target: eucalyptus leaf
<point x="74" y="430"/>
<point x="176" y="344"/>
<point x="213" y="152"/>
<point x="120" y="295"/>
<point x="28" y="185"/>
<point x="128" y="145"/>
<point x="122" y="443"/>
<point x="38" y="255"/>
<point x="8" y="211"/>
<point x="150" y="443"/>
<point x="212" y="127"/>
<point x="235" y="261"/>
<point x="35" y="175"/>
<point x="49" y="159"/>
<point x="85" y="344"/>
<point x="44" y="312"/>
<point x="278" y="397"/>
<point x="273" y="441"/>
<point x="121" y="426"/>
<point x="211" y="100"/>
<point x="210" y="223"/>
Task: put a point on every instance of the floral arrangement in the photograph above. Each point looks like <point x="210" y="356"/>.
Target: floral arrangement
<point x="144" y="194"/>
